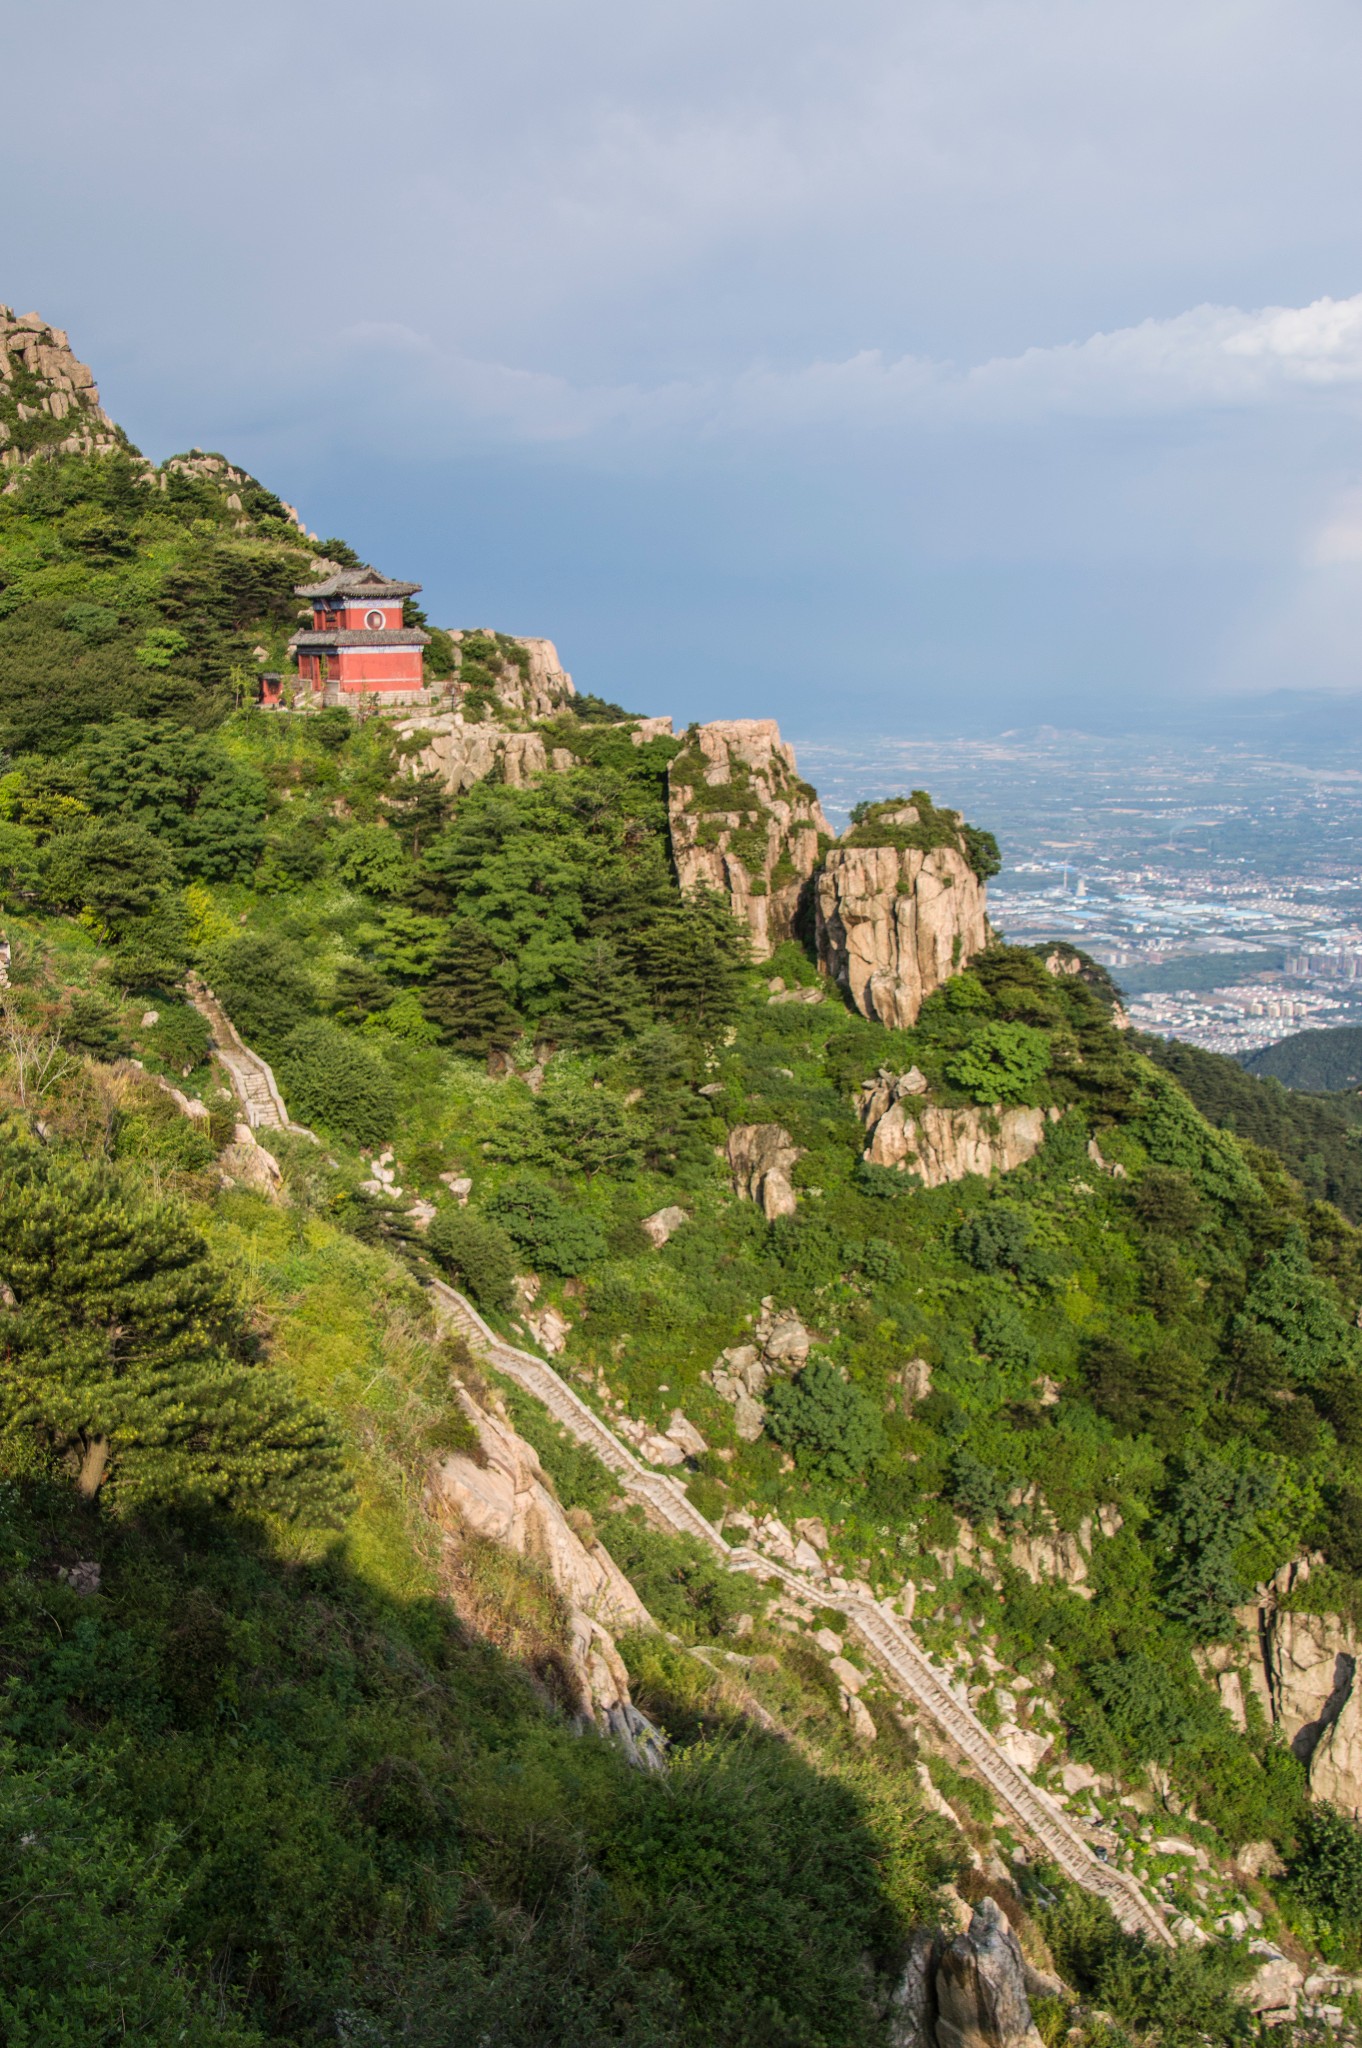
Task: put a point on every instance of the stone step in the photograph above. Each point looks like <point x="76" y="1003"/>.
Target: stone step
<point x="891" y="1644"/>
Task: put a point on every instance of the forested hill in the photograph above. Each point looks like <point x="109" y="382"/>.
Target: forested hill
<point x="1318" y="1136"/>
<point x="1315" y="1060"/>
<point x="307" y="1732"/>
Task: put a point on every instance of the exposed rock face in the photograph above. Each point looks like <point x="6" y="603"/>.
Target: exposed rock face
<point x="1309" y="1664"/>
<point x="912" y="1135"/>
<point x="969" y="1992"/>
<point x="544" y="688"/>
<point x="1275" y="1985"/>
<point x="463" y="752"/>
<point x="1303" y="1668"/>
<point x="509" y="1500"/>
<point x="744" y="824"/>
<point x="48" y="400"/>
<point x="760" y="1157"/>
<point x="892" y="923"/>
<point x="741" y="1374"/>
<point x="247" y="1164"/>
<point x="981" y="1997"/>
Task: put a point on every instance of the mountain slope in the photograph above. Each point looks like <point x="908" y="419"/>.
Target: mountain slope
<point x="1318" y="1060"/>
<point x="979" y="1317"/>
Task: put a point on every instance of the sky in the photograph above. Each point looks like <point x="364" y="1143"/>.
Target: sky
<point x="885" y="366"/>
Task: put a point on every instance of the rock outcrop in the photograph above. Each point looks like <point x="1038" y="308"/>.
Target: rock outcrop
<point x="760" y="1157"/>
<point x="545" y="685"/>
<point x="895" y="921"/>
<point x="49" y="402"/>
<point x="912" y="1135"/>
<point x="507" y="1498"/>
<point x="741" y="1374"/>
<point x="744" y="824"/>
<point x="462" y="752"/>
<point x="1303" y="1669"/>
<point x="969" y="1992"/>
<point x="1306" y="1676"/>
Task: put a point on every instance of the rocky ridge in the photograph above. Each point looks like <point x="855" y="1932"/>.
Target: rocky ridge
<point x="745" y="825"/>
<point x="1302" y="1668"/>
<point x="48" y="400"/>
<point x="502" y="1494"/>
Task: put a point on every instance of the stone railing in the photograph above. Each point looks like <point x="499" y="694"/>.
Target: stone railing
<point x="890" y="1644"/>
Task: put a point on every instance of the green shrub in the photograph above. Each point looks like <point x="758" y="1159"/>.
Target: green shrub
<point x="553" y="1235"/>
<point x="995" y="1240"/>
<point x="92" y="1024"/>
<point x="476" y="1252"/>
<point x="1326" y="1867"/>
<point x="1001" y="1063"/>
<point x="174" y="1408"/>
<point x="831" y="1427"/>
<point x="180" y="1036"/>
<point x="682" y="1584"/>
<point x="329" y="1077"/>
<point x="371" y="857"/>
<point x="975" y="1489"/>
<point x="1182" y="1997"/>
<point x="262" y="987"/>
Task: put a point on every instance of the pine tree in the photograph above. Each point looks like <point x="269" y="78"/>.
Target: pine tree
<point x="604" y="1000"/>
<point x="689" y="956"/>
<point x="464" y="997"/>
<point x="418" y="806"/>
<point x="122" y="1350"/>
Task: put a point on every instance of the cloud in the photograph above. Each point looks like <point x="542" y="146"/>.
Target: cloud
<point x="1337" y="541"/>
<point x="1211" y="357"/>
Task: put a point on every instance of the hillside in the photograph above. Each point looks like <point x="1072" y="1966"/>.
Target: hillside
<point x="359" y="1687"/>
<point x="1319" y="1137"/>
<point x="1321" y="1061"/>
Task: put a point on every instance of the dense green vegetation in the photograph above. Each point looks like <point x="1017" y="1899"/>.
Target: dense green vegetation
<point x="297" y="1770"/>
<point x="1318" y="1136"/>
<point x="1319" y="1060"/>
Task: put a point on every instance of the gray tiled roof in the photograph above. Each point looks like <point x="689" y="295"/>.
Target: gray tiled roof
<point x="361" y="636"/>
<point x="361" y="582"/>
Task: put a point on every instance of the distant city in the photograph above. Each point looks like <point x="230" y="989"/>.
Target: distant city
<point x="1221" y="887"/>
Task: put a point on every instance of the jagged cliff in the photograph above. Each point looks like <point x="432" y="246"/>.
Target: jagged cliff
<point x="1303" y="1668"/>
<point x="744" y="824"/>
<point x="48" y="400"/>
<point x="900" y="908"/>
<point x="502" y="1493"/>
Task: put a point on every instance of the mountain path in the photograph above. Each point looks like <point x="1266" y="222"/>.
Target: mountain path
<point x="888" y="1641"/>
<point x="252" y="1078"/>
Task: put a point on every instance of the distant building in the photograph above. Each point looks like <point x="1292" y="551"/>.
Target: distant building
<point x="358" y="641"/>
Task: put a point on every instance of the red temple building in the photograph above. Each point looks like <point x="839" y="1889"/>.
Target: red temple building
<point x="357" y="641"/>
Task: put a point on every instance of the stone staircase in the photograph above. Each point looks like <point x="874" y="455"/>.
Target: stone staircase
<point x="887" y="1640"/>
<point x="252" y="1079"/>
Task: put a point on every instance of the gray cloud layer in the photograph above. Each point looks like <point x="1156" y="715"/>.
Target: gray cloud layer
<point x="991" y="350"/>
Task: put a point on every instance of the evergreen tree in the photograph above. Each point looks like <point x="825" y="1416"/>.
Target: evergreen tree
<point x="464" y="998"/>
<point x="122" y="1350"/>
<point x="418" y="806"/>
<point x="113" y="867"/>
<point x="604" y="1001"/>
<point x="689" y="956"/>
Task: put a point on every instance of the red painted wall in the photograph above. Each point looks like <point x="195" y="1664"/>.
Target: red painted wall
<point x="393" y="668"/>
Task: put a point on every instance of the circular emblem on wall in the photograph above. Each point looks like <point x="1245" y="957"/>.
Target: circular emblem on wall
<point x="375" y="619"/>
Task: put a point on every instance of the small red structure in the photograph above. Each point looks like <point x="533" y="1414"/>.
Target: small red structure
<point x="358" y="642"/>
